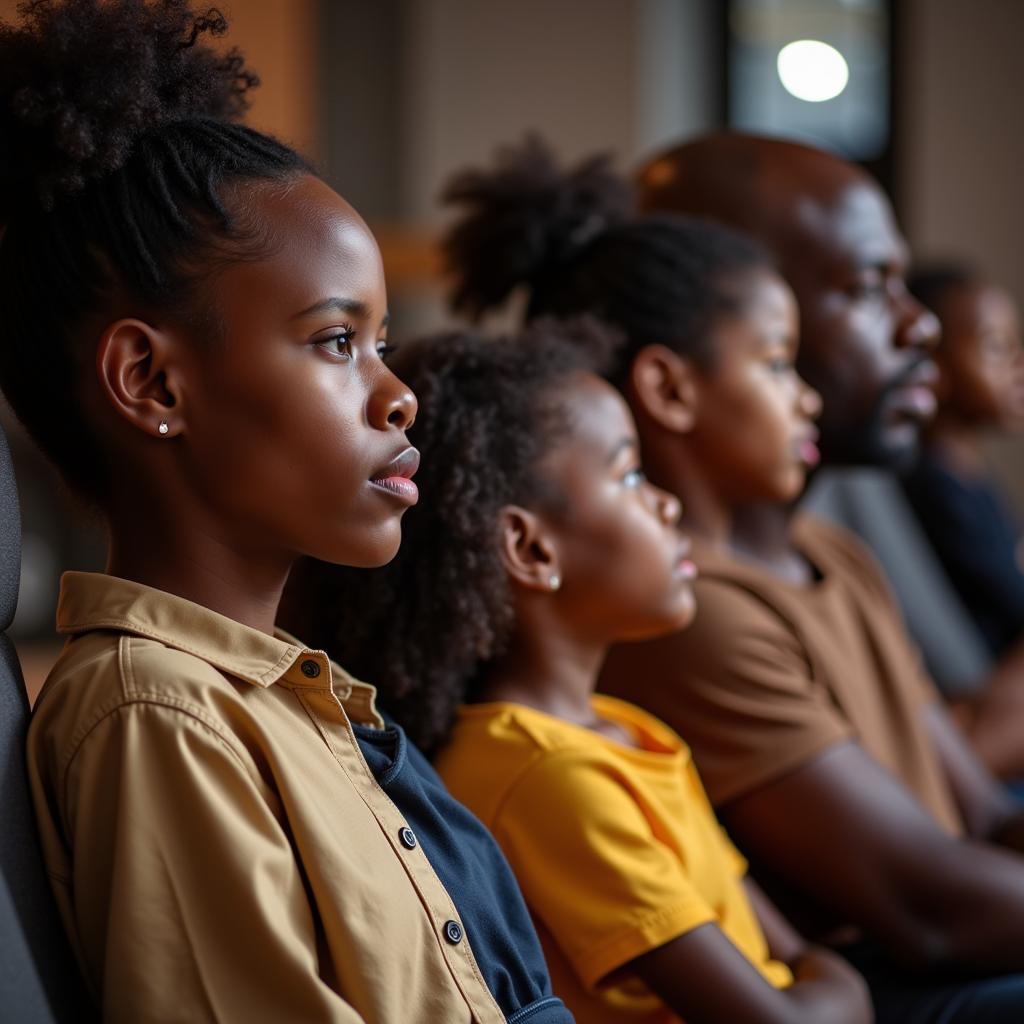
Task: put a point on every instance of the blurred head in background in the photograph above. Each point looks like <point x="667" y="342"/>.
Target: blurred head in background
<point x="979" y="357"/>
<point x="865" y="340"/>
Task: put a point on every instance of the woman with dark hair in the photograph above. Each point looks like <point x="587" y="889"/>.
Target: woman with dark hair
<point x="193" y="328"/>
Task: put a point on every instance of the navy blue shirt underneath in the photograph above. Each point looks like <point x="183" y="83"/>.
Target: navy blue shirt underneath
<point x="475" y="873"/>
<point x="976" y="540"/>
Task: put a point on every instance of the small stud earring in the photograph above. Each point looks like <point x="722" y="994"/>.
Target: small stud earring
<point x="163" y="428"/>
<point x="555" y="581"/>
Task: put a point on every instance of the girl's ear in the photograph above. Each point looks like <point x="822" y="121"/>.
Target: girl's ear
<point x="527" y="550"/>
<point x="140" y="377"/>
<point x="665" y="388"/>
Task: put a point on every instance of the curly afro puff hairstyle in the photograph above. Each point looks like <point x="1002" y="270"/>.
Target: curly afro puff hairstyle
<point x="425" y="627"/>
<point x="117" y="140"/>
<point x="567" y="237"/>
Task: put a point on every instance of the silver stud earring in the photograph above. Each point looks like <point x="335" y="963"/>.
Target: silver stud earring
<point x="163" y="428"/>
<point x="555" y="581"/>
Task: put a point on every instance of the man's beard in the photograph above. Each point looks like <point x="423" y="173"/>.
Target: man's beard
<point x="870" y="442"/>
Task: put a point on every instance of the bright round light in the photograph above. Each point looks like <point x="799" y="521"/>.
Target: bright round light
<point x="812" y="70"/>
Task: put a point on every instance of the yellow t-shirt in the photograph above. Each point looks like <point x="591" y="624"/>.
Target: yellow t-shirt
<point x="617" y="849"/>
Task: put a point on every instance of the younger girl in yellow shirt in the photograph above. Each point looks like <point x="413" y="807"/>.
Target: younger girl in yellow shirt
<point x="538" y="543"/>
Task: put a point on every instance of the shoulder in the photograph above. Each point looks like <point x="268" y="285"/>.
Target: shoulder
<point x="496" y="751"/>
<point x="839" y="552"/>
<point x="103" y="678"/>
<point x="518" y="730"/>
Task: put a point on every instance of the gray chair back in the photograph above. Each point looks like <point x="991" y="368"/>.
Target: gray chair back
<point x="39" y="981"/>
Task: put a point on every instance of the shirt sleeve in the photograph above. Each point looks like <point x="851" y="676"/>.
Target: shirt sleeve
<point x="864" y="572"/>
<point x="187" y="900"/>
<point x="746" y="699"/>
<point x="976" y="541"/>
<point x="592" y="866"/>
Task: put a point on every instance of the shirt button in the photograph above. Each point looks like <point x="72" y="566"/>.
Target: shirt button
<point x="310" y="669"/>
<point x="453" y="932"/>
<point x="407" y="838"/>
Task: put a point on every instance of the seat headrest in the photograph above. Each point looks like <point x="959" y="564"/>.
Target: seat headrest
<point x="10" y="536"/>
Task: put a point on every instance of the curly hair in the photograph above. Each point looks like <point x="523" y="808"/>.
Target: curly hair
<point x="568" y="238"/>
<point x="424" y="628"/>
<point x="117" y="142"/>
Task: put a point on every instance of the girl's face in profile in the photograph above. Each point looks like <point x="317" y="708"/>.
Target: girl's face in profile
<point x="980" y="357"/>
<point x="292" y="424"/>
<point x="754" y="430"/>
<point x="624" y="565"/>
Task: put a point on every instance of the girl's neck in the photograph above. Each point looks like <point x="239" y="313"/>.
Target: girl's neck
<point x="759" y="533"/>
<point x="959" y="445"/>
<point x="763" y="534"/>
<point x="191" y="560"/>
<point x="548" y="669"/>
<point x="705" y="514"/>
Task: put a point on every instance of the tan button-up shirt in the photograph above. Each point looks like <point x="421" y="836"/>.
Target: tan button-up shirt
<point x="217" y="844"/>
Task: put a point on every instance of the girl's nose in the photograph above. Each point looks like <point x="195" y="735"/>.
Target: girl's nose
<point x="669" y="507"/>
<point x="809" y="402"/>
<point x="392" y="405"/>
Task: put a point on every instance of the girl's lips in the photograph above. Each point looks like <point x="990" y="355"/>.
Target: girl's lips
<point x="399" y="486"/>
<point x="808" y="452"/>
<point x="914" y="402"/>
<point x="395" y="478"/>
<point x="686" y="569"/>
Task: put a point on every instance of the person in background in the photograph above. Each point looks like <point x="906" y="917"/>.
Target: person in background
<point x="537" y="544"/>
<point x="980" y="390"/>
<point x="950" y="488"/>
<point x="827" y="752"/>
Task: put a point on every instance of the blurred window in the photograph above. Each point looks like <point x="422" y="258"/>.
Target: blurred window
<point x="813" y="70"/>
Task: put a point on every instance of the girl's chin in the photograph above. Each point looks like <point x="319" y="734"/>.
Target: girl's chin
<point x="669" y="621"/>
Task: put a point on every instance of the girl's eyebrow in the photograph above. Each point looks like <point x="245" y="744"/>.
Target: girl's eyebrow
<point x="626" y="442"/>
<point x="336" y="304"/>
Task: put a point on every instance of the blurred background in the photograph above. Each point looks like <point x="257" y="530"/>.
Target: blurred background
<point x="388" y="97"/>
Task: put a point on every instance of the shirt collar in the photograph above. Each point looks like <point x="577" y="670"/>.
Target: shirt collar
<point x="95" y="601"/>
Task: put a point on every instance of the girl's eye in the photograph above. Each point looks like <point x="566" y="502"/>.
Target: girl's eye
<point x="634" y="478"/>
<point x="384" y="349"/>
<point x="873" y="287"/>
<point x="780" y="365"/>
<point x="339" y="344"/>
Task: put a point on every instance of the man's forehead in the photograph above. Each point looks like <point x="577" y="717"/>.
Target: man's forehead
<point x="852" y="224"/>
<point x="794" y="197"/>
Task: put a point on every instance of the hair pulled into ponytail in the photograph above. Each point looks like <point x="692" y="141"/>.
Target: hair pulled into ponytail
<point x="526" y="221"/>
<point x="117" y="140"/>
<point x="568" y="237"/>
<point x="81" y="82"/>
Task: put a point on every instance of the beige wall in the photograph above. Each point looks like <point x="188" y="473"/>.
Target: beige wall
<point x="278" y="38"/>
<point x="962" y="168"/>
<point x="962" y="173"/>
<point x="482" y="73"/>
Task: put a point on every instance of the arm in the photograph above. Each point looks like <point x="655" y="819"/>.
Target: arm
<point x="851" y="837"/>
<point x="616" y="895"/>
<point x="705" y="979"/>
<point x="188" y="902"/>
<point x="994" y="719"/>
<point x="990" y="813"/>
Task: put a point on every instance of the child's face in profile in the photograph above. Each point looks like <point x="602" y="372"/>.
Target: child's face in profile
<point x="625" y="570"/>
<point x="754" y="430"/>
<point x="292" y="421"/>
<point x="980" y="358"/>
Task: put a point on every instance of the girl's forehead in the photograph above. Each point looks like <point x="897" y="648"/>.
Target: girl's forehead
<point x="316" y="250"/>
<point x="595" y="410"/>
